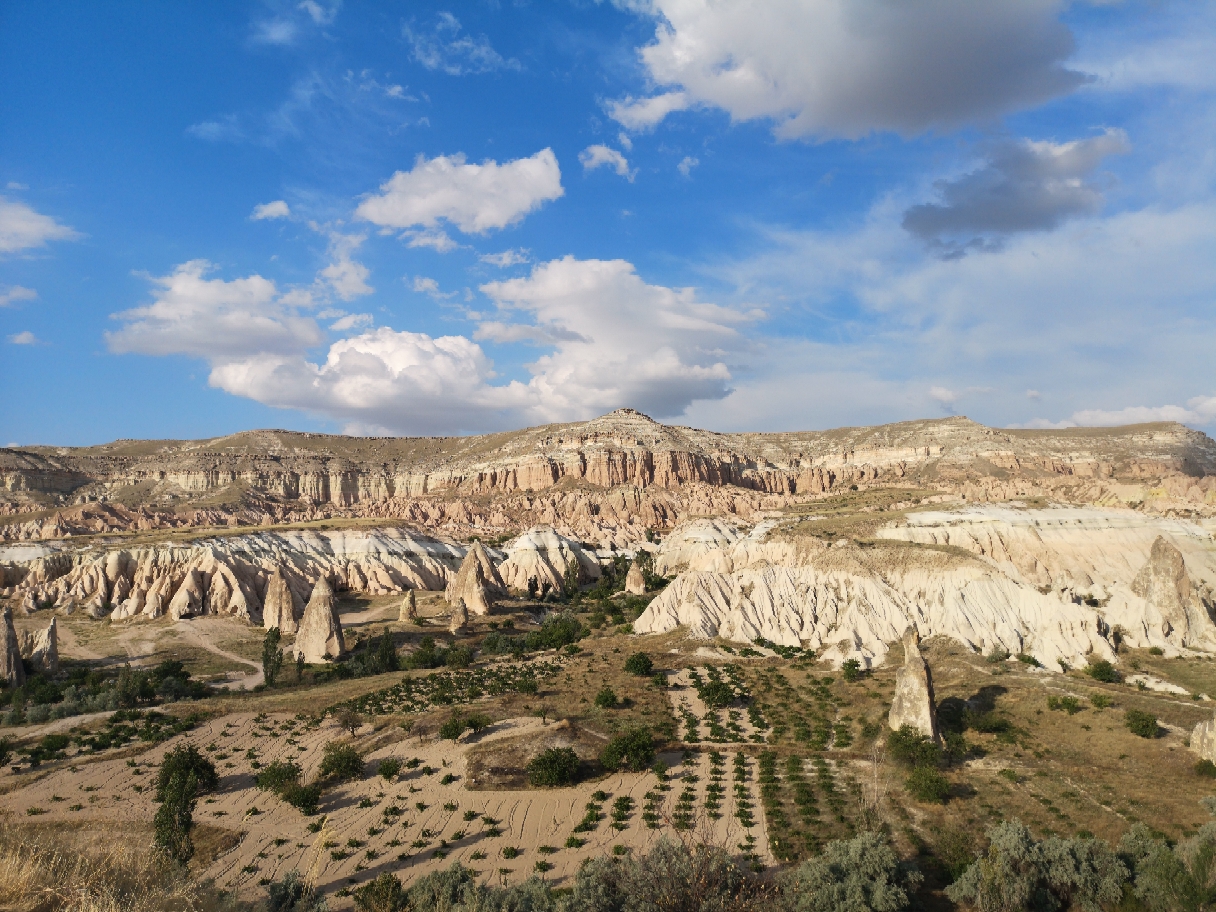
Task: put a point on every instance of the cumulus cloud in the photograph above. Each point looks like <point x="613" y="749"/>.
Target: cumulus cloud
<point x="1023" y="186"/>
<point x="1200" y="410"/>
<point x="598" y="156"/>
<point x="23" y="338"/>
<point x="213" y="319"/>
<point x="687" y="163"/>
<point x="507" y="258"/>
<point x="445" y="48"/>
<point x="21" y="228"/>
<point x="435" y="238"/>
<point x="15" y="293"/>
<point x="428" y="286"/>
<point x="345" y="276"/>
<point x="846" y="68"/>
<point x="274" y="210"/>
<point x="351" y="321"/>
<point x="943" y="395"/>
<point x="474" y="198"/>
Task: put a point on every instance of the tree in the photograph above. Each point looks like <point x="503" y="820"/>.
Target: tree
<point x="851" y="670"/>
<point x="1178" y="879"/>
<point x="1141" y="723"/>
<point x="384" y="894"/>
<point x="293" y="894"/>
<point x="927" y="784"/>
<point x="716" y="694"/>
<point x="186" y="759"/>
<point x="384" y="656"/>
<point x="175" y="817"/>
<point x="272" y="656"/>
<point x="632" y="750"/>
<point x="350" y="720"/>
<point x="554" y="767"/>
<point x="907" y="745"/>
<point x="606" y="698"/>
<point x="341" y="761"/>
<point x="570" y="579"/>
<point x="299" y="667"/>
<point x="639" y="664"/>
<point x="861" y="874"/>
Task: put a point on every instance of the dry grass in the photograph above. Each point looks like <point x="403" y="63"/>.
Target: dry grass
<point x="66" y="869"/>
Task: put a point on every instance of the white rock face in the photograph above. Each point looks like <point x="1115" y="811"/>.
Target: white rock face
<point x="1203" y="740"/>
<point x="231" y="576"/>
<point x="477" y="582"/>
<point x="1052" y="583"/>
<point x="409" y="608"/>
<point x="542" y="554"/>
<point x="913" y="703"/>
<point x="281" y="607"/>
<point x="635" y="581"/>
<point x="460" y="617"/>
<point x="42" y="648"/>
<point x="692" y="540"/>
<point x="12" y="672"/>
<point x="319" y="638"/>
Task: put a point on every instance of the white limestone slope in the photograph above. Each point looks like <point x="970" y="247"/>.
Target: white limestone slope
<point x="541" y="553"/>
<point x="850" y="602"/>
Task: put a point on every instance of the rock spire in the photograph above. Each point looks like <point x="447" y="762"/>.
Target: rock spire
<point x="12" y="672"/>
<point x="279" y="606"/>
<point x="409" y="608"/>
<point x="319" y="638"/>
<point x="913" y="703"/>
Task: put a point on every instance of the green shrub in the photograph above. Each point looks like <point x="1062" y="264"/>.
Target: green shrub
<point x="305" y="798"/>
<point x="277" y="776"/>
<point x="341" y="761"/>
<point x="186" y="759"/>
<point x="384" y="894"/>
<point x="631" y="750"/>
<point x="1206" y="769"/>
<point x="293" y="894"/>
<point x="1101" y="701"/>
<point x="910" y="747"/>
<point x="659" y="679"/>
<point x="175" y="817"/>
<point x="272" y="656"/>
<point x="716" y="694"/>
<point x="927" y="784"/>
<point x="452" y="729"/>
<point x="1156" y="651"/>
<point x="1104" y="671"/>
<point x="554" y="767"/>
<point x="639" y="664"/>
<point x="388" y="768"/>
<point x="1141" y="723"/>
<point x="862" y="874"/>
<point x="851" y="670"/>
<point x="1029" y="660"/>
<point x="606" y="698"/>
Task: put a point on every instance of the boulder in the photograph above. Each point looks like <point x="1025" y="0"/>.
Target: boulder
<point x="477" y="582"/>
<point x="12" y="672"/>
<point x="913" y="703"/>
<point x="1203" y="740"/>
<point x="635" y="581"/>
<point x="409" y="608"/>
<point x="319" y="638"/>
<point x="460" y="617"/>
<point x="42" y="648"/>
<point x="279" y="605"/>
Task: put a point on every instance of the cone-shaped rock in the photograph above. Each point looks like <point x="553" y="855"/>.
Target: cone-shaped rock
<point x="1166" y="587"/>
<point x="279" y="606"/>
<point x="635" y="580"/>
<point x="913" y="703"/>
<point x="409" y="608"/>
<point x="42" y="648"/>
<point x="12" y="672"/>
<point x="477" y="582"/>
<point x="1203" y="740"/>
<point x="460" y="617"/>
<point x="319" y="638"/>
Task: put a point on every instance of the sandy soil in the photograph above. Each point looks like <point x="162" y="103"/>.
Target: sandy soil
<point x="275" y="836"/>
<point x="684" y="697"/>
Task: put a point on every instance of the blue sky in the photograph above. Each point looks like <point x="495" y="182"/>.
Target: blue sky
<point x="454" y="218"/>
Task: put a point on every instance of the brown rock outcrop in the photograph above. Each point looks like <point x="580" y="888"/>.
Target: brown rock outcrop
<point x="460" y="617"/>
<point x="913" y="702"/>
<point x="42" y="648"/>
<point x="279" y="607"/>
<point x="635" y="580"/>
<point x="319" y="638"/>
<point x="1164" y="584"/>
<point x="12" y="672"/>
<point x="409" y="608"/>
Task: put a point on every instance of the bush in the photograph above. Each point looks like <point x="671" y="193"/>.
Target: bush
<point x="1156" y="651"/>
<point x="458" y="657"/>
<point x="716" y="694"/>
<point x="1206" y="769"/>
<point x="175" y="817"/>
<point x="1104" y="672"/>
<point x="670" y="878"/>
<point x="305" y="798"/>
<point x="277" y="776"/>
<point x="384" y="894"/>
<point x="639" y="664"/>
<point x="186" y="759"/>
<point x="851" y="670"/>
<point x="910" y="747"/>
<point x="388" y="768"/>
<point x="606" y="698"/>
<point x="1141" y="723"/>
<point x="293" y="894"/>
<point x="631" y="750"/>
<point x="859" y="875"/>
<point x="341" y="761"/>
<point x="452" y="729"/>
<point x="553" y="767"/>
<point x="927" y="784"/>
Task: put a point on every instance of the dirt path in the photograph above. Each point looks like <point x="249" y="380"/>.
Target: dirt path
<point x="193" y="633"/>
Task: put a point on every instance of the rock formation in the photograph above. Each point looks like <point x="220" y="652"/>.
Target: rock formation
<point x="12" y="672"/>
<point x="1203" y="740"/>
<point x="543" y="554"/>
<point x="460" y="617"/>
<point x="1172" y="602"/>
<point x="279" y="607"/>
<point x="319" y="638"/>
<point x="477" y="582"/>
<point x="635" y="580"/>
<point x="913" y="702"/>
<point x="409" y="608"/>
<point x="42" y="648"/>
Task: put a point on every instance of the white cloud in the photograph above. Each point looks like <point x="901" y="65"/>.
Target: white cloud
<point x="351" y="321"/>
<point x="321" y="14"/>
<point x="1023" y="186"/>
<point x="687" y="163"/>
<point x="943" y="395"/>
<point x="346" y="276"/>
<point x="273" y="210"/>
<point x="435" y="238"/>
<point x="1033" y="394"/>
<point x="14" y="185"/>
<point x="21" y="228"/>
<point x="474" y="198"/>
<point x="644" y="113"/>
<point x="624" y="140"/>
<point x="507" y="258"/>
<point x="16" y="293"/>
<point x="1200" y="410"/>
<point x="213" y="319"/>
<point x="275" y="31"/>
<point x="845" y="68"/>
<point x="23" y="338"/>
<point x="445" y="48"/>
<point x="598" y="156"/>
<point x="225" y="129"/>
<point x="428" y="286"/>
